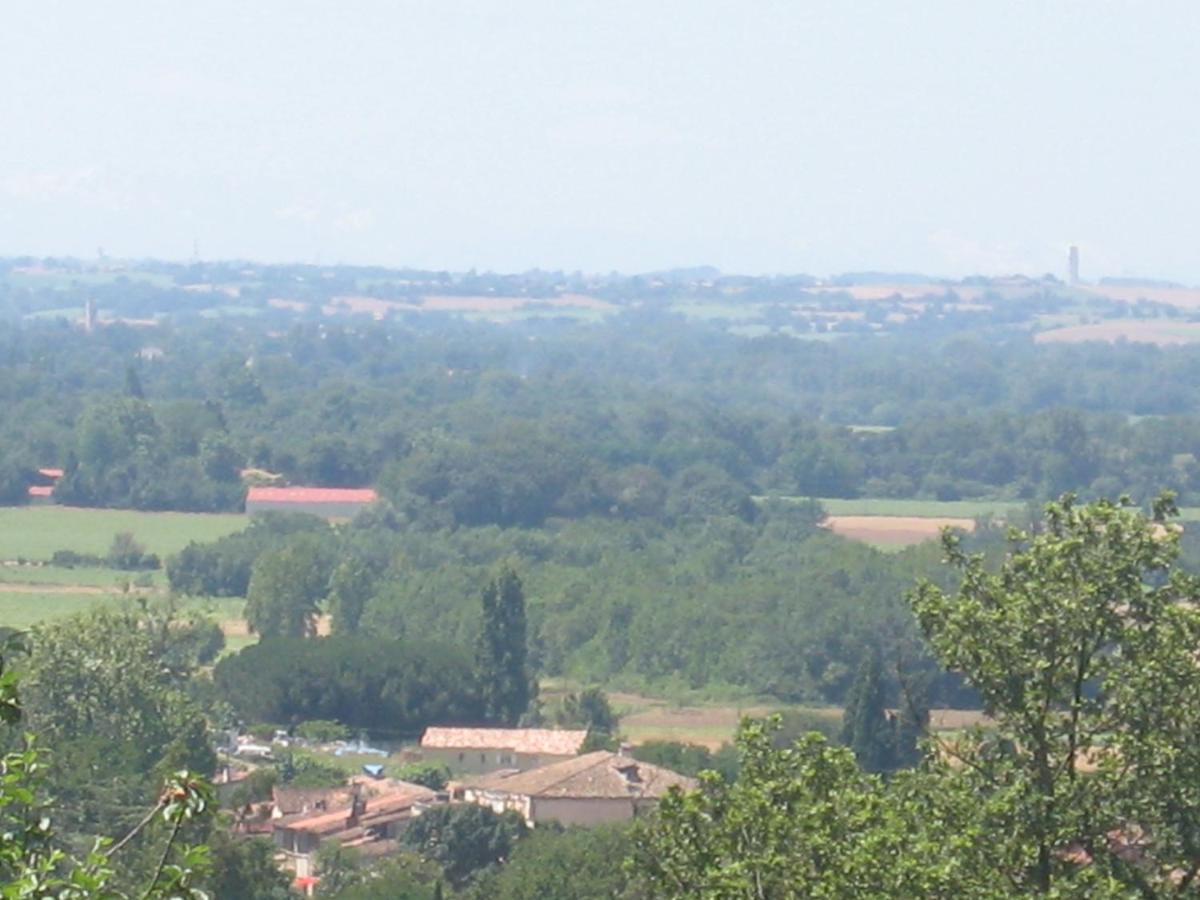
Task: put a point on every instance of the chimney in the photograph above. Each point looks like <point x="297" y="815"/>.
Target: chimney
<point x="358" y="806"/>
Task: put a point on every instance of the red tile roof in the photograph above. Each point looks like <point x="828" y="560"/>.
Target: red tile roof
<point x="40" y="490"/>
<point x="310" y="495"/>
<point x="551" y="742"/>
<point x="50" y="472"/>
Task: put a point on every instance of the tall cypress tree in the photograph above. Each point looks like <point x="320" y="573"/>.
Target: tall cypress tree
<point x="501" y="659"/>
<point x="867" y="729"/>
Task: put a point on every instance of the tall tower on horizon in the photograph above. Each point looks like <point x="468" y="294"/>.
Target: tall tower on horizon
<point x="1073" y="265"/>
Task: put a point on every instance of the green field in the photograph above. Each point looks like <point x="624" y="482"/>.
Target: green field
<point x="931" y="509"/>
<point x="20" y="610"/>
<point x="35" y="532"/>
<point x="88" y="576"/>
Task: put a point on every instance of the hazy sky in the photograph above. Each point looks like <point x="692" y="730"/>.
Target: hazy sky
<point x="947" y="137"/>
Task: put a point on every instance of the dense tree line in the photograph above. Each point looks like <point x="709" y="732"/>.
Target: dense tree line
<point x="371" y="683"/>
<point x="642" y="415"/>
<point x="775" y="606"/>
<point x="1082" y="647"/>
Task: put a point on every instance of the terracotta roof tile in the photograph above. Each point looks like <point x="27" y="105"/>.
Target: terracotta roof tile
<point x="594" y="775"/>
<point x="552" y="742"/>
<point x="310" y="495"/>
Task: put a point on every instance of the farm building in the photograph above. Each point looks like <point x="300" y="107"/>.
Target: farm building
<point x="479" y="750"/>
<point x="42" y="489"/>
<point x="39" y="494"/>
<point x="589" y="790"/>
<point x="329" y="503"/>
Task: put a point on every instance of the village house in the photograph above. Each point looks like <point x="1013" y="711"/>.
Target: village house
<point x="589" y="790"/>
<point x="370" y="821"/>
<point x="328" y="503"/>
<point x="480" y="750"/>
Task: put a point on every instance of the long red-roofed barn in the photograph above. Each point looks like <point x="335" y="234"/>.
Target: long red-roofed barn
<point x="329" y="503"/>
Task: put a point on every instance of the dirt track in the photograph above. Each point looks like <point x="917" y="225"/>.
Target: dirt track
<point x="9" y="587"/>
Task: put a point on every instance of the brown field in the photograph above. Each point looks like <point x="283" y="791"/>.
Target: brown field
<point x="438" y="303"/>
<point x="648" y="719"/>
<point x="1183" y="298"/>
<point x="894" y="531"/>
<point x="9" y="587"/>
<point x="1143" y="331"/>
<point x="510" y="304"/>
<point x="710" y="726"/>
<point x="905" y="291"/>
<point x="237" y="628"/>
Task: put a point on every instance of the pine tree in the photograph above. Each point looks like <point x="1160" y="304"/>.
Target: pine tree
<point x="867" y="729"/>
<point x="501" y="658"/>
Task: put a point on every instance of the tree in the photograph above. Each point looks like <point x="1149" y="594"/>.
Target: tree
<point x="806" y="821"/>
<point x="1082" y="647"/>
<point x="285" y="590"/>
<point x="32" y="862"/>
<point x="506" y="684"/>
<point x="350" y="587"/>
<point x="365" y="682"/>
<point x="465" y="840"/>
<point x="576" y="864"/>
<point x="322" y="731"/>
<point x="867" y="727"/>
<point x="404" y="876"/>
<point x="337" y="865"/>
<point x="245" y="868"/>
<point x="589" y="709"/>
<point x="432" y="775"/>
<point x="133" y="383"/>
<point x="126" y="553"/>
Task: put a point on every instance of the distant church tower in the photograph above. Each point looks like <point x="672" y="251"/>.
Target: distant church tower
<point x="89" y="316"/>
<point x="1073" y="265"/>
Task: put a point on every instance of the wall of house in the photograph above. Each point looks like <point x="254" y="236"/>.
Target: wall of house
<point x="480" y="762"/>
<point x="325" y="510"/>
<point x="499" y="802"/>
<point x="578" y="811"/>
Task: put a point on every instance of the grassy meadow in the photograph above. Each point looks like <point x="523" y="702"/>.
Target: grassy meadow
<point x="32" y="593"/>
<point x="932" y="509"/>
<point x="35" y="532"/>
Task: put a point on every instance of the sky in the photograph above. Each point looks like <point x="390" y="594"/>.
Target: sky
<point x="761" y="137"/>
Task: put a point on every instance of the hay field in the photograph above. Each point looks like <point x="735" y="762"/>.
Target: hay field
<point x="897" y="532"/>
<point x="466" y="304"/>
<point x="1181" y="297"/>
<point x="711" y="725"/>
<point x="1162" y="332"/>
<point x="35" y="532"/>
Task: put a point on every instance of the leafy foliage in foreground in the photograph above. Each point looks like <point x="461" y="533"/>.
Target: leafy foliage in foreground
<point x="1083" y="646"/>
<point x="32" y="861"/>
